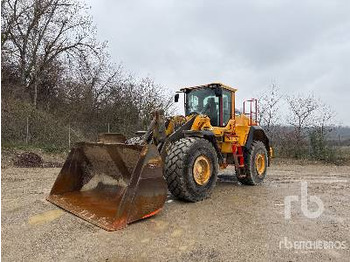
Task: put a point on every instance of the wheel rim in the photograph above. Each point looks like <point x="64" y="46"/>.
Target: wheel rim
<point x="260" y="164"/>
<point x="201" y="170"/>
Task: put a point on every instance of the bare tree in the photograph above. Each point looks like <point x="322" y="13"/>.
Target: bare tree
<point x="302" y="111"/>
<point x="38" y="32"/>
<point x="150" y="96"/>
<point x="51" y="58"/>
<point x="101" y="92"/>
<point x="324" y="119"/>
<point x="269" y="109"/>
<point x="322" y="125"/>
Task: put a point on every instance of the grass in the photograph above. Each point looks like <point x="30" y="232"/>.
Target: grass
<point x="33" y="147"/>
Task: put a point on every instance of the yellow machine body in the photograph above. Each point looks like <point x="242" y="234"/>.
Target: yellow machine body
<point x="230" y="136"/>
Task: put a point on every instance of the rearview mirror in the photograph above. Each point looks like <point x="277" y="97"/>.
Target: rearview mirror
<point x="176" y="98"/>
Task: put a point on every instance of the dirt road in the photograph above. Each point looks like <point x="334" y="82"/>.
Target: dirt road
<point x="237" y="223"/>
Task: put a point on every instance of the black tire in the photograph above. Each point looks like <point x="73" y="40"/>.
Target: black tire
<point x="179" y="168"/>
<point x="250" y="173"/>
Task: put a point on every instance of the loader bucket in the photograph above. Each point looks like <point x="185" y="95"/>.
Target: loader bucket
<point x="111" y="184"/>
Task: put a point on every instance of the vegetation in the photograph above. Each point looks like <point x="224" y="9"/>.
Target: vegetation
<point x="58" y="83"/>
<point x="60" y="86"/>
<point x="304" y="130"/>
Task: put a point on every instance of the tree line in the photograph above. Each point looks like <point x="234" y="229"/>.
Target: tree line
<point x="58" y="80"/>
<point x="299" y="125"/>
<point x="53" y="63"/>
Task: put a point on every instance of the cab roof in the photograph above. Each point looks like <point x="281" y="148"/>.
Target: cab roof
<point x="211" y="85"/>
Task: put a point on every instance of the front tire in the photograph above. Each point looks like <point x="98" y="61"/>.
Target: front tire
<point x="256" y="161"/>
<point x="191" y="168"/>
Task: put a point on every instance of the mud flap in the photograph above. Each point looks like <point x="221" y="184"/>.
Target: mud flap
<point x="111" y="185"/>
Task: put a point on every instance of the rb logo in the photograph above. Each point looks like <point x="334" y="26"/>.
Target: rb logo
<point x="304" y="203"/>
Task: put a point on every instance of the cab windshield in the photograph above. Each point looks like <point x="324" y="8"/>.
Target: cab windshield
<point x="203" y="101"/>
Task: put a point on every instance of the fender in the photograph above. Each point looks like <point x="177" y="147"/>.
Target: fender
<point x="208" y="135"/>
<point x="177" y="135"/>
<point x="257" y="133"/>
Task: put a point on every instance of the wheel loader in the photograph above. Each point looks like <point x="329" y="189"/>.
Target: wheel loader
<point x="113" y="182"/>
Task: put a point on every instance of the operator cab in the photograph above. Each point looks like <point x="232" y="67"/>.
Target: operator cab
<point x="214" y="100"/>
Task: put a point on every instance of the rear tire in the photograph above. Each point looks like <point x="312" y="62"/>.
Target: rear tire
<point x="191" y="168"/>
<point x="256" y="161"/>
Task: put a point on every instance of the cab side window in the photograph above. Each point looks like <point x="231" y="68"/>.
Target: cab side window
<point x="227" y="104"/>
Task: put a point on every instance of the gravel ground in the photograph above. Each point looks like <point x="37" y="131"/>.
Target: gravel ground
<point x="237" y="223"/>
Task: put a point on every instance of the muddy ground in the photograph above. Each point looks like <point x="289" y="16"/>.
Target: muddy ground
<point x="237" y="223"/>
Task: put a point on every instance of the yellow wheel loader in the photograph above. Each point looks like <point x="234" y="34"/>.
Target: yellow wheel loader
<point x="115" y="181"/>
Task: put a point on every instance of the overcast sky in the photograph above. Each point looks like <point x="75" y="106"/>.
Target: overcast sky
<point x="303" y="46"/>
